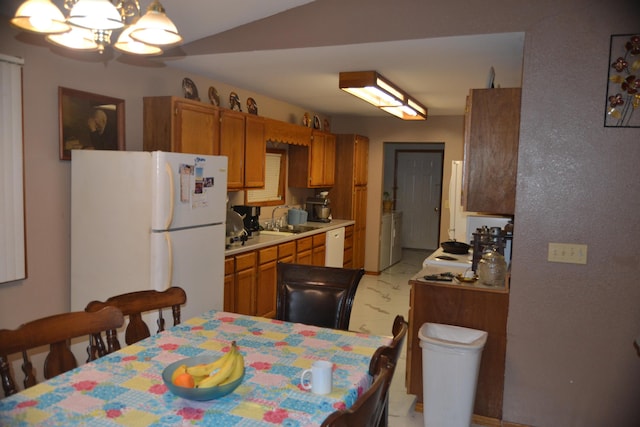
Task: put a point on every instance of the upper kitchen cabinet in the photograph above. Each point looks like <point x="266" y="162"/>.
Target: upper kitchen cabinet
<point x="242" y="140"/>
<point x="180" y="125"/>
<point x="313" y="166"/>
<point x="492" y="130"/>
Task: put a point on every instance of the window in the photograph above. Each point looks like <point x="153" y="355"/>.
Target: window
<point x="273" y="193"/>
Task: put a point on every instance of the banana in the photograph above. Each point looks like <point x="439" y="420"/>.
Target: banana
<point x="224" y="372"/>
<point x="238" y="369"/>
<point x="202" y="369"/>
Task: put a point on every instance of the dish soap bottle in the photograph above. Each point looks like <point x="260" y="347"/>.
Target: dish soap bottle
<point x="492" y="267"/>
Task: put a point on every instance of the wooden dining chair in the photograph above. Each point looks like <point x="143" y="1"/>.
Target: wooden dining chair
<point x="57" y="332"/>
<point x="134" y="304"/>
<point x="367" y="411"/>
<point x="392" y="352"/>
<point x="315" y="295"/>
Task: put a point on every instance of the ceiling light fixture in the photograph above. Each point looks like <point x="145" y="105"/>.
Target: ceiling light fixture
<point x="90" y="24"/>
<point x="380" y="92"/>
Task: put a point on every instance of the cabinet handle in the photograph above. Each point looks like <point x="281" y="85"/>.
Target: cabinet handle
<point x="436" y="209"/>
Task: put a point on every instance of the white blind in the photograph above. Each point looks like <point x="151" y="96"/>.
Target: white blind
<point x="12" y="249"/>
<point x="271" y="190"/>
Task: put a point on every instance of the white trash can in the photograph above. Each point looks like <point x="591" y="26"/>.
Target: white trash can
<point x="450" y="364"/>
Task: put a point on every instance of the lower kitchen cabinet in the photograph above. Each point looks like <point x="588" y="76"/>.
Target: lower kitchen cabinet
<point x="347" y="262"/>
<point x="469" y="307"/>
<point x="251" y="278"/>
<point x="267" y="282"/>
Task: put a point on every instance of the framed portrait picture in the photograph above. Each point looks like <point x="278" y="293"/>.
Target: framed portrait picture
<point x="89" y="122"/>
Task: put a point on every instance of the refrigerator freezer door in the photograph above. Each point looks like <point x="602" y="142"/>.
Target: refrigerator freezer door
<point x="188" y="190"/>
<point x="110" y="224"/>
<point x="192" y="259"/>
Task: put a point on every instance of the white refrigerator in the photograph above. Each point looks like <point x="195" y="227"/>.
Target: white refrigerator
<point x="148" y="220"/>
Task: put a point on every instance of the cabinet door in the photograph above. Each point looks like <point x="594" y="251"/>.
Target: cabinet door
<point x="360" y="216"/>
<point x="329" y="160"/>
<point x="254" y="151"/>
<point x="492" y="131"/>
<point x="245" y="283"/>
<point x="316" y="160"/>
<point x="361" y="160"/>
<point x="266" y="289"/>
<point x="196" y="129"/>
<point x="229" y="284"/>
<point x="319" y="249"/>
<point x="266" y="283"/>
<point x="232" y="132"/>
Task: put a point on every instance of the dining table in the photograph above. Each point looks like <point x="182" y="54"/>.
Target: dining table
<point x="125" y="388"/>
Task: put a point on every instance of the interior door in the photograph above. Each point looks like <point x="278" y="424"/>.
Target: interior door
<point x="418" y="184"/>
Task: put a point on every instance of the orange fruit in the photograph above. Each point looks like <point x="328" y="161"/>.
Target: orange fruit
<point x="184" y="380"/>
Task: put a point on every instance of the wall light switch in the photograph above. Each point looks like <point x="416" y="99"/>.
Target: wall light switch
<point x="567" y="253"/>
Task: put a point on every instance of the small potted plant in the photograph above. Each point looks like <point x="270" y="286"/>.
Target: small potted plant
<point x="387" y="202"/>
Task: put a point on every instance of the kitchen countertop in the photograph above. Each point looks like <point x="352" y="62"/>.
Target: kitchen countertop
<point x="264" y="240"/>
<point x="476" y="286"/>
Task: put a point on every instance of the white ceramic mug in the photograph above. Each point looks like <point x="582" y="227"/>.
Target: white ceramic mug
<point x="318" y="379"/>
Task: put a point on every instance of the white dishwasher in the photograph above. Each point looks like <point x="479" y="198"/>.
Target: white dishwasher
<point x="334" y="248"/>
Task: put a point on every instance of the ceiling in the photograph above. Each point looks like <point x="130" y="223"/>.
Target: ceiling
<point x="438" y="72"/>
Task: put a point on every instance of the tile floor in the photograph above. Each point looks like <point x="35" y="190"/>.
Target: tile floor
<point x="377" y="302"/>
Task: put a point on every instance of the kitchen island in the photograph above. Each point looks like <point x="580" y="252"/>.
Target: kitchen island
<point x="250" y="270"/>
<point x="471" y="305"/>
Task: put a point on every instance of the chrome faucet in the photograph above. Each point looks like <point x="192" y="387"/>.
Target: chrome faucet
<point x="273" y="215"/>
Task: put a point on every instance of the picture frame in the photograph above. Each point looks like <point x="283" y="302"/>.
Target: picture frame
<point x="623" y="82"/>
<point x="89" y="121"/>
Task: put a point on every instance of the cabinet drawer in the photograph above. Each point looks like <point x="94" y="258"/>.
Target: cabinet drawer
<point x="245" y="261"/>
<point x="268" y="254"/>
<point x="319" y="239"/>
<point x="286" y="250"/>
<point x="304" y="244"/>
<point x="228" y="265"/>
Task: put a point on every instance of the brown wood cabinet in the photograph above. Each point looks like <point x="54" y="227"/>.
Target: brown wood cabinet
<point x="468" y="307"/>
<point x="313" y="166"/>
<point x="245" y="277"/>
<point x="267" y="282"/>
<point x="349" y="193"/>
<point x="347" y="261"/>
<point x="491" y="135"/>
<point x="243" y="141"/>
<point x="180" y="125"/>
<point x="287" y="252"/>
<point x="318" y="248"/>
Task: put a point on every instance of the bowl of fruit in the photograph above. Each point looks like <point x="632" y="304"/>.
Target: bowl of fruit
<point x="205" y="377"/>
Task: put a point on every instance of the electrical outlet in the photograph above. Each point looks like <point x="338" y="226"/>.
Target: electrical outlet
<point x="568" y="253"/>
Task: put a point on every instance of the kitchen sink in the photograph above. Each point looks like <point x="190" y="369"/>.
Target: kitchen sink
<point x="293" y="229"/>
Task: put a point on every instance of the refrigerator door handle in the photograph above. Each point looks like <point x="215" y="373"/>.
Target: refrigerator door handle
<point x="167" y="168"/>
<point x="167" y="237"/>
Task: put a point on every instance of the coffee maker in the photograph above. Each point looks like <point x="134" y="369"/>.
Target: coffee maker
<point x="318" y="208"/>
<point x="251" y="218"/>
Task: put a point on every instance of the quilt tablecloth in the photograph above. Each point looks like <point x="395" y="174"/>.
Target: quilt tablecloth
<point x="125" y="388"/>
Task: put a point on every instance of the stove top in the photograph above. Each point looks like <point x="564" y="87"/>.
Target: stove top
<point x="444" y="259"/>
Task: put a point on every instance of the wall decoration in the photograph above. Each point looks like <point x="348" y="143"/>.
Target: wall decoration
<point x="189" y="89"/>
<point x="306" y="120"/>
<point x="316" y="122"/>
<point x="252" y="106"/>
<point x="214" y="98"/>
<point x="234" y="102"/>
<point x="623" y="89"/>
<point x="89" y="122"/>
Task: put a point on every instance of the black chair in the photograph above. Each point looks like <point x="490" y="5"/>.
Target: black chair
<point x="368" y="409"/>
<point x="392" y="352"/>
<point x="314" y="295"/>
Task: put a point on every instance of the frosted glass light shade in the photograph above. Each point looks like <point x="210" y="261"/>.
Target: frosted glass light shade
<point x="156" y="28"/>
<point x="95" y="14"/>
<point x="128" y="45"/>
<point x="78" y="39"/>
<point x="40" y="16"/>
